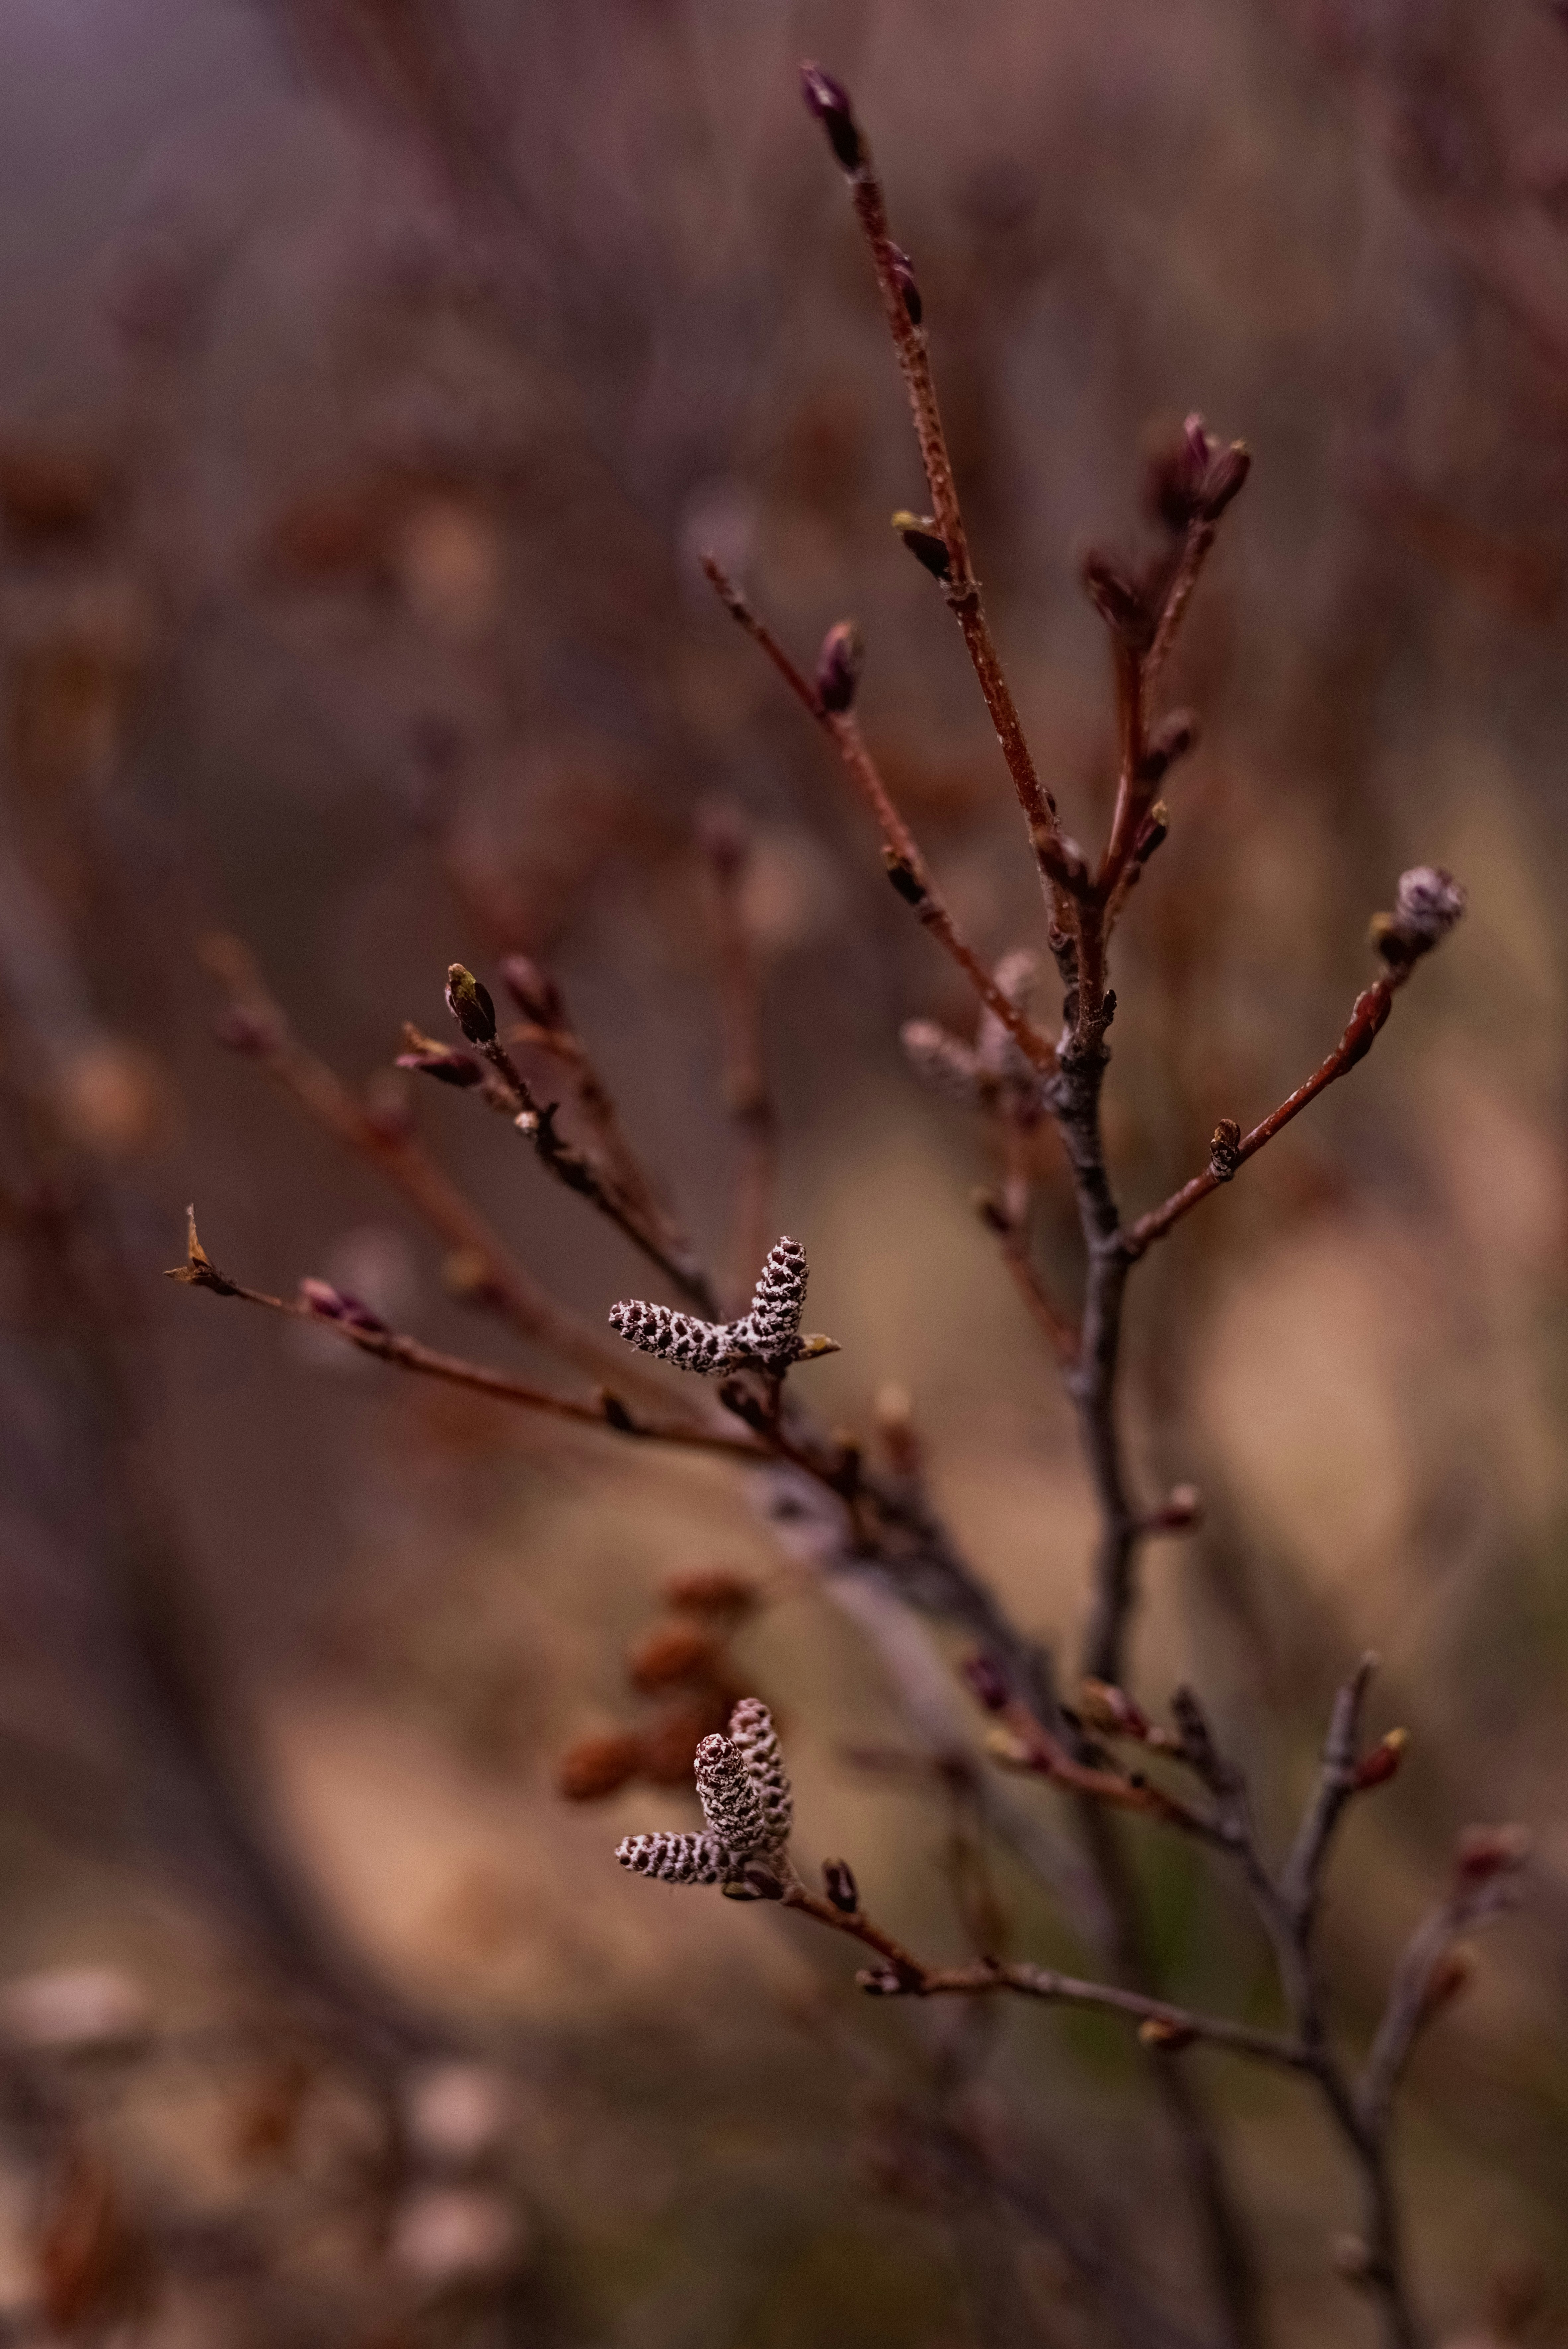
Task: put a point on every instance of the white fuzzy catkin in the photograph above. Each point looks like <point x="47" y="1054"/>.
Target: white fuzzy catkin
<point x="766" y="1335"/>
<point x="748" y="1805"/>
<point x="677" y="1858"/>
<point x="755" y="1739"/>
<point x="730" y="1801"/>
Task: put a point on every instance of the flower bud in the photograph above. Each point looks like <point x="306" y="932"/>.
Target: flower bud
<point x="839" y="668"/>
<point x="1448" y="1979"/>
<point x="336" y="1305"/>
<point x="828" y="101"/>
<point x="904" y="878"/>
<point x="533" y="990"/>
<point x="670" y="1652"/>
<point x="1376" y="1768"/>
<point x="1122" y="602"/>
<point x="710" y="1591"/>
<point x="1175" y="736"/>
<point x="1163" y="2036"/>
<point x="1429" y="904"/>
<point x="1104" y="1706"/>
<point x="879" y="1982"/>
<point x="469" y="1005"/>
<point x="986" y="1681"/>
<point x="1224" y="1150"/>
<point x="248" y="1032"/>
<point x="1182" y="1509"/>
<point x="596" y="1767"/>
<point x="1484" y="1852"/>
<point x="837" y="1881"/>
<point x="924" y="542"/>
<point x="445" y="1062"/>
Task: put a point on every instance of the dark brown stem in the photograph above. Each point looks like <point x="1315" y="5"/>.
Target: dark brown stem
<point x="904" y="1975"/>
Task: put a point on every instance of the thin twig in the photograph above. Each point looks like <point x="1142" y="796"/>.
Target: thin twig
<point x="748" y="1095"/>
<point x="604" y="1411"/>
<point x="907" y="867"/>
<point x="1162" y="2024"/>
<point x="1301" y="1881"/>
<point x="256" y="1026"/>
<point x="1371" y="1008"/>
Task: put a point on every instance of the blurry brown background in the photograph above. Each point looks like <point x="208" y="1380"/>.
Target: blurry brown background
<point x="372" y="370"/>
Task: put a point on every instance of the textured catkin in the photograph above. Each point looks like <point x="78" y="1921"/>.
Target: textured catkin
<point x="730" y="1801"/>
<point x="755" y="1739"/>
<point x="771" y="1328"/>
<point x="706" y="1347"/>
<point x="677" y="1858"/>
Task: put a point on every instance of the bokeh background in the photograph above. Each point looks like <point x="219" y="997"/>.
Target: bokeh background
<point x="372" y="372"/>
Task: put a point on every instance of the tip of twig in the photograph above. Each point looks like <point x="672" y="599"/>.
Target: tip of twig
<point x="197" y="1271"/>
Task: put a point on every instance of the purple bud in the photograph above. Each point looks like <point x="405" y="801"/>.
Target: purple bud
<point x="533" y="990"/>
<point x="839" y="668"/>
<point x="828" y="101"/>
<point x="336" y="1305"/>
<point x="244" y="1031"/>
<point x="1122" y="602"/>
<point x="445" y="1062"/>
<point x="985" y="1680"/>
<point x="1430" y="902"/>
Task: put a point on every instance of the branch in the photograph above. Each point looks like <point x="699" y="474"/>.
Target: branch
<point x="907" y="868"/>
<point x="1339" y="1776"/>
<point x="1159" y="2025"/>
<point x="905" y="317"/>
<point x="1487" y="1862"/>
<point x="329" y="1308"/>
<point x="747" y="1095"/>
<point x="255" y="1025"/>
<point x="1429" y="904"/>
<point x="472" y="1008"/>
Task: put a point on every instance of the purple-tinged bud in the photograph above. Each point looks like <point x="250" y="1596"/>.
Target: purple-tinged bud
<point x="1193" y="478"/>
<point x="839" y="668"/>
<point x="336" y="1305"/>
<point x="533" y="990"/>
<point x="839" y="1883"/>
<point x="1182" y="1510"/>
<point x="1122" y="602"/>
<point x="469" y="1005"/>
<point x="1171" y="739"/>
<point x="1106" y="1707"/>
<point x="879" y="1982"/>
<point x="723" y="837"/>
<point x="1380" y="1763"/>
<point x="250" y="1033"/>
<point x="445" y="1062"/>
<point x="828" y="101"/>
<point x="1430" y="902"/>
<point x="986" y="1681"/>
<point x="903" y="278"/>
<point x="1164" y="2035"/>
<point x="1225" y="477"/>
<point x="1481" y="1853"/>
<point x="1151" y="831"/>
<point x="924" y="542"/>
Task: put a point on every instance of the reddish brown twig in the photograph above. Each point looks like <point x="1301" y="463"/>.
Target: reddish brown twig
<point x="907" y="868"/>
<point x="1159" y="2025"/>
<point x="747" y="1095"/>
<point x="1232" y="1150"/>
<point x="345" y="1320"/>
<point x="254" y="1024"/>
